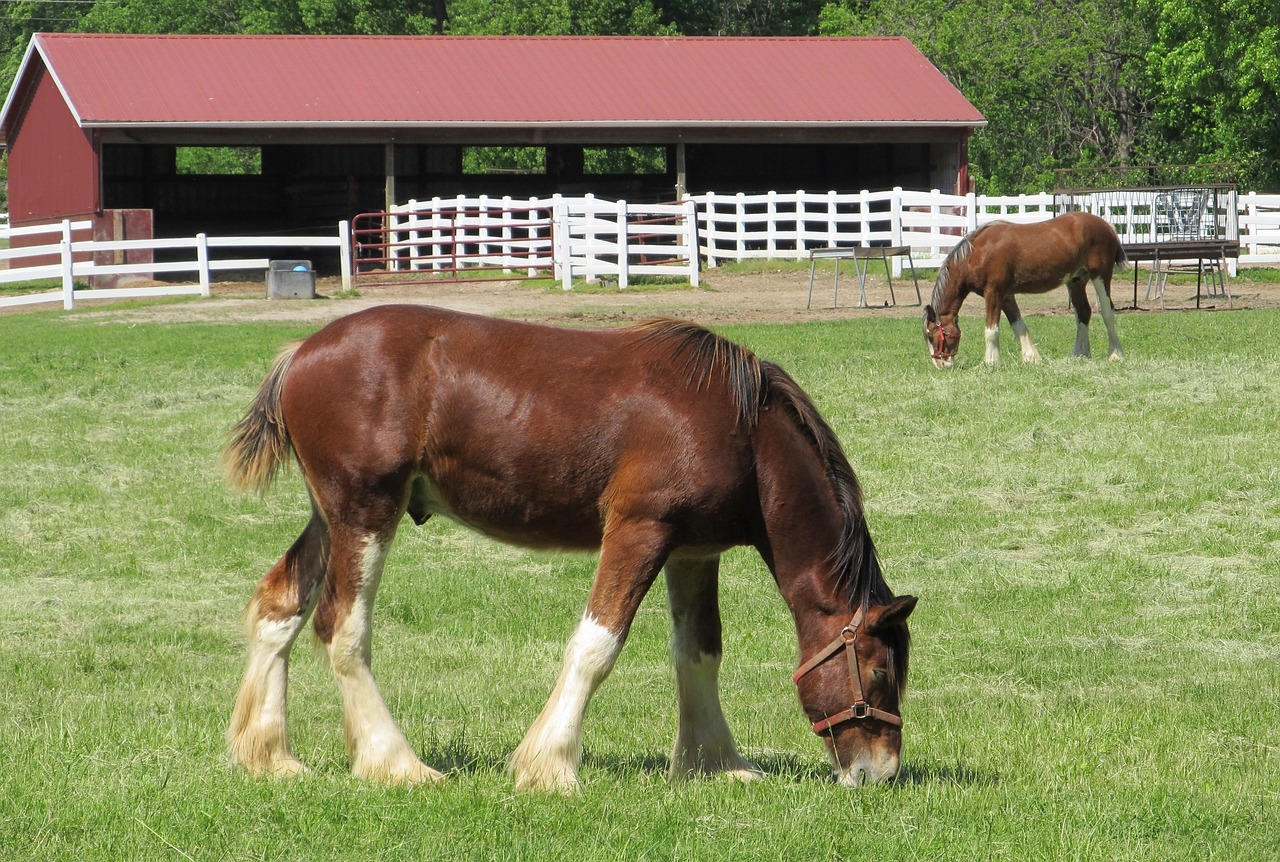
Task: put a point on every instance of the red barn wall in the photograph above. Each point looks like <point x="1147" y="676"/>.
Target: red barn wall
<point x="53" y="167"/>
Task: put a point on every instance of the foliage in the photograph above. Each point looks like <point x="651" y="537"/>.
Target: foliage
<point x="223" y="161"/>
<point x="1217" y="67"/>
<point x="1094" y="664"/>
<point x="1056" y="82"/>
<point x="1062" y="83"/>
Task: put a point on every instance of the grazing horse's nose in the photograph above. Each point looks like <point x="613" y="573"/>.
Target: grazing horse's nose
<point x="870" y="768"/>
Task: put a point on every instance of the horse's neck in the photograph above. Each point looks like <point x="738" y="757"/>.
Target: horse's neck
<point x="952" y="296"/>
<point x="802" y="522"/>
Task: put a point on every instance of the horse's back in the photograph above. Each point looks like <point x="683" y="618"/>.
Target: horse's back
<point x="530" y="433"/>
<point x="1036" y="257"/>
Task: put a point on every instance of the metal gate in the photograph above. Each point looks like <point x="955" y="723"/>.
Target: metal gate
<point x="453" y="244"/>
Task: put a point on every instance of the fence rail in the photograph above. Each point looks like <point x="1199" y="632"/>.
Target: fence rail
<point x="81" y="258"/>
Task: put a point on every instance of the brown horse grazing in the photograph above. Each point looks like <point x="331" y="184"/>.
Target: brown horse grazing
<point x="1000" y="259"/>
<point x="661" y="445"/>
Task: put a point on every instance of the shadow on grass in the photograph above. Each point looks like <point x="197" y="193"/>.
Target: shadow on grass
<point x="458" y="757"/>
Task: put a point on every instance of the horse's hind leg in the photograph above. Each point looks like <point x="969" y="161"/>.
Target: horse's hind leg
<point x="1019" y="326"/>
<point x="1080" y="302"/>
<point x="1102" y="287"/>
<point x="258" y="737"/>
<point x="376" y="747"/>
<point x="703" y="744"/>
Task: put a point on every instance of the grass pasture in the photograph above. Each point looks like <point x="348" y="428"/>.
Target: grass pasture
<point x="1096" y="663"/>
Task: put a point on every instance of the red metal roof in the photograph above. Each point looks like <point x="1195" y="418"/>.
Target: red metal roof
<point x="459" y="81"/>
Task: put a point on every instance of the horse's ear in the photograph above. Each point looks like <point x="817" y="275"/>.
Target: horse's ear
<point x="930" y="319"/>
<point x="892" y="614"/>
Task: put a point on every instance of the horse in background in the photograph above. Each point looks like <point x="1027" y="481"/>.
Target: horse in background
<point x="1001" y="259"/>
<point x="662" y="445"/>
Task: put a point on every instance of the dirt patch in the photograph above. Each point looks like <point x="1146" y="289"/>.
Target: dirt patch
<point x="759" y="296"/>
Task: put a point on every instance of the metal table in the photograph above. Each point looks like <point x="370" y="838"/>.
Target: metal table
<point x="861" y="257"/>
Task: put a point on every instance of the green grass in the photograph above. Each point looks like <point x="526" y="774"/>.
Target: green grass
<point x="1096" y="652"/>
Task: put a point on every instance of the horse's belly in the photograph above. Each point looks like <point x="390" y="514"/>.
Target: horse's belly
<point x="504" y="512"/>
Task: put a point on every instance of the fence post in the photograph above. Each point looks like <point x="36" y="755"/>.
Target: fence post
<point x="560" y="230"/>
<point x="971" y="204"/>
<point x="68" y="277"/>
<point x="691" y="238"/>
<point x="202" y="263"/>
<point x="710" y="207"/>
<point x="1233" y="228"/>
<point x="895" y="226"/>
<point x="624" y="244"/>
<point x="344" y="254"/>
<point x="740" y="241"/>
<point x="833" y="229"/>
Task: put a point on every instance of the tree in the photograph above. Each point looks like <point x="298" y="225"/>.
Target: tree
<point x="1215" y="70"/>
<point x="1057" y="82"/>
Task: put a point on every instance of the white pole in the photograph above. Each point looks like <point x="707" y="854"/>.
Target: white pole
<point x="68" y="278"/>
<point x="202" y="262"/>
<point x="344" y="254"/>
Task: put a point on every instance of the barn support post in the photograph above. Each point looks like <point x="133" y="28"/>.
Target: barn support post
<point x="682" y="175"/>
<point x="389" y="168"/>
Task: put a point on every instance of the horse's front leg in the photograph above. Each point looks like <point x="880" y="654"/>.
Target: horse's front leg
<point x="1019" y="326"/>
<point x="630" y="558"/>
<point x="703" y="744"/>
<point x="991" y="332"/>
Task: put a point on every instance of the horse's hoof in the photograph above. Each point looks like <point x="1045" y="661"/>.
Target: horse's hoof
<point x="407" y="772"/>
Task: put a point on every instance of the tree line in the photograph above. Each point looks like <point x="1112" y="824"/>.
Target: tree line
<point x="1066" y="85"/>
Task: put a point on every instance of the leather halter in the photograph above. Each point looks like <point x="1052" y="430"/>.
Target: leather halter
<point x="940" y="345"/>
<point x="860" y="708"/>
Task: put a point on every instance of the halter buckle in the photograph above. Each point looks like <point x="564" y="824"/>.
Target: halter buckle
<point x="859" y="709"/>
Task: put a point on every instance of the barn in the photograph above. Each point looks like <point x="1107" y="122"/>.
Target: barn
<point x="97" y="125"/>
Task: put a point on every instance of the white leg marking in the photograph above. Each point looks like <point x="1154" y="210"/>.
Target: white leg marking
<point x="1114" y="351"/>
<point x="704" y="744"/>
<point x="1082" y="347"/>
<point x="376" y="746"/>
<point x="992" y="335"/>
<point x="548" y="757"/>
<point x="1029" y="351"/>
<point x="259" y="736"/>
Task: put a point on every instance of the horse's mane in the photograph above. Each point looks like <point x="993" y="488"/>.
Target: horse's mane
<point x="752" y="382"/>
<point x="959" y="254"/>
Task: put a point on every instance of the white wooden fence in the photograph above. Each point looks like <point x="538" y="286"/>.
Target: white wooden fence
<point x="779" y="226"/>
<point x="595" y="238"/>
<point x="587" y="237"/>
<point x="58" y="242"/>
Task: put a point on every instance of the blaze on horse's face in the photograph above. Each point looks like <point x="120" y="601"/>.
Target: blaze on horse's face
<point x="867" y="749"/>
<point x="943" y="345"/>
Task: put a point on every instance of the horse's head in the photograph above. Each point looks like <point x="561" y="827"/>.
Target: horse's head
<point x="852" y="688"/>
<point x="943" y="343"/>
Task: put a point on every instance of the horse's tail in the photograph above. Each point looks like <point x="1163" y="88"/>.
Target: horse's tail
<point x="259" y="443"/>
<point x="1122" y="260"/>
